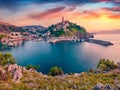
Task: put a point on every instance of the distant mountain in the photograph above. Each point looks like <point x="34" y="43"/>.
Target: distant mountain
<point x="67" y="28"/>
<point x="109" y="32"/>
<point x="35" y="29"/>
<point x="6" y="28"/>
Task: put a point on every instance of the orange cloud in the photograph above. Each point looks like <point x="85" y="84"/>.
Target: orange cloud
<point x="93" y="20"/>
<point x="46" y="13"/>
<point x="117" y="16"/>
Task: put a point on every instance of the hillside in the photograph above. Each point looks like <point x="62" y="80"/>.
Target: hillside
<point x="15" y="77"/>
<point x="67" y="28"/>
<point x="6" y="28"/>
<point x="34" y="29"/>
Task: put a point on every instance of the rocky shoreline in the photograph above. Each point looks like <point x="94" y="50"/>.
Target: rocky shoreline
<point x="34" y="80"/>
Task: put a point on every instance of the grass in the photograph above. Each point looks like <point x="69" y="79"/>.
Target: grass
<point x="84" y="81"/>
<point x="33" y="80"/>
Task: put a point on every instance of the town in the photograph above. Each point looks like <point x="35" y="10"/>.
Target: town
<point x="62" y="31"/>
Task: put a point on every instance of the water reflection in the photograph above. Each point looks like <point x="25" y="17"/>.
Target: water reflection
<point x="7" y="45"/>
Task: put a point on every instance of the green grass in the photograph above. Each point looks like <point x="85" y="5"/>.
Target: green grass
<point x="85" y="81"/>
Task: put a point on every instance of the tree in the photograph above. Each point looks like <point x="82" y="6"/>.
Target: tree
<point x="2" y="36"/>
<point x="32" y="66"/>
<point x="106" y="65"/>
<point x="6" y="58"/>
<point x="56" y="71"/>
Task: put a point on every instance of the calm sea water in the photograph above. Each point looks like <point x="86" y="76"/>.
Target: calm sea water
<point x="70" y="56"/>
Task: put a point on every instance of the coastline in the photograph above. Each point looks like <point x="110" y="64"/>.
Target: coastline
<point x="24" y="79"/>
<point x="61" y="39"/>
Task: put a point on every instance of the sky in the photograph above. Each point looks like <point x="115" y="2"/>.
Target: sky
<point x="94" y="15"/>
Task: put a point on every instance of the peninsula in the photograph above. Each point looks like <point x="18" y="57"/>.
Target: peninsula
<point x="68" y="31"/>
<point x="62" y="31"/>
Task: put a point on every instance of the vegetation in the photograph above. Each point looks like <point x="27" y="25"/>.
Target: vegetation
<point x="37" y="81"/>
<point x="70" y="30"/>
<point x="32" y="66"/>
<point x="2" y="36"/>
<point x="6" y="58"/>
<point x="106" y="65"/>
<point x="58" y="33"/>
<point x="84" y="81"/>
<point x="56" y="71"/>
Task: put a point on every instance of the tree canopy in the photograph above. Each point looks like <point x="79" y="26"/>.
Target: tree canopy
<point x="6" y="58"/>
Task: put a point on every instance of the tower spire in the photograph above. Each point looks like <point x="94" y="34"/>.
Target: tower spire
<point x="62" y="19"/>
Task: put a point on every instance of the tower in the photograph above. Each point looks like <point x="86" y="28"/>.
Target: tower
<point x="62" y="19"/>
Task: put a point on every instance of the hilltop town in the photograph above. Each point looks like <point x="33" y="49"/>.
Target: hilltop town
<point x="64" y="30"/>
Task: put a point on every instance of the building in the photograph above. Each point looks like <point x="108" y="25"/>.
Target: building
<point x="15" y="35"/>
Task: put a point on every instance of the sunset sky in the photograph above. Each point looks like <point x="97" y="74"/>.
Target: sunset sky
<point x="94" y="15"/>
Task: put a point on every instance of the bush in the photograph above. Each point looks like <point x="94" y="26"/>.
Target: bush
<point x="56" y="71"/>
<point x="2" y="36"/>
<point x="6" y="58"/>
<point x="106" y="65"/>
<point x="32" y="66"/>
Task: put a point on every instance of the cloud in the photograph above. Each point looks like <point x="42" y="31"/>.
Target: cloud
<point x="101" y="0"/>
<point x="114" y="16"/>
<point x="113" y="9"/>
<point x="90" y="14"/>
<point x="46" y="13"/>
<point x="111" y="13"/>
<point x="17" y="3"/>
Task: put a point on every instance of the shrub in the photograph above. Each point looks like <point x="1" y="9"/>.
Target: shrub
<point x="106" y="65"/>
<point x="56" y="71"/>
<point x="6" y="58"/>
<point x="2" y="36"/>
<point x="32" y="66"/>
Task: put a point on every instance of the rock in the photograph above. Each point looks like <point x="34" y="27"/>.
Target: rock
<point x="3" y="74"/>
<point x="32" y="70"/>
<point x="118" y="65"/>
<point x="24" y="69"/>
<point x="17" y="75"/>
<point x="76" y="74"/>
<point x="16" y="72"/>
<point x="47" y="88"/>
<point x="99" y="86"/>
<point x="61" y="88"/>
<point x="12" y="67"/>
<point x="69" y="81"/>
<point x="74" y="86"/>
<point x="118" y="86"/>
<point x="108" y="87"/>
<point x="116" y="81"/>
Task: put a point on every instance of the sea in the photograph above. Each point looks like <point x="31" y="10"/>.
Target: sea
<point x="72" y="57"/>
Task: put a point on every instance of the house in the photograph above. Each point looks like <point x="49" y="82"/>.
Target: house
<point x="15" y="35"/>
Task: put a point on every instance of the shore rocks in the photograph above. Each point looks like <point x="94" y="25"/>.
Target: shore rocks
<point x="99" y="86"/>
<point x="17" y="75"/>
<point x="16" y="72"/>
<point x="2" y="74"/>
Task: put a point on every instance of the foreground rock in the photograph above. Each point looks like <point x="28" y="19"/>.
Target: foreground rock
<point x="16" y="72"/>
<point x="2" y="74"/>
<point x="15" y="77"/>
<point x="99" y="86"/>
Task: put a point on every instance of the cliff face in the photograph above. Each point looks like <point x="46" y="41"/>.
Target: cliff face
<point x="6" y="28"/>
